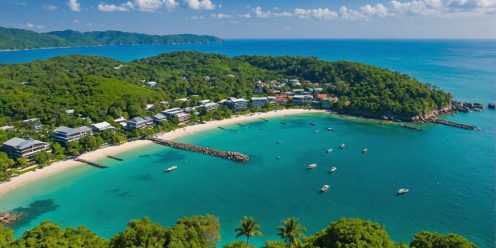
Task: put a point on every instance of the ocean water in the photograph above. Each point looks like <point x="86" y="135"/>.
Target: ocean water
<point x="450" y="172"/>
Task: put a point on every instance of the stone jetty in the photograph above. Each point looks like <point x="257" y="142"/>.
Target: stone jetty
<point x="235" y="156"/>
<point x="453" y="124"/>
<point x="90" y="163"/>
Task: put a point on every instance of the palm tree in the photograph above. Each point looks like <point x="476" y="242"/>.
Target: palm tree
<point x="248" y="227"/>
<point x="291" y="232"/>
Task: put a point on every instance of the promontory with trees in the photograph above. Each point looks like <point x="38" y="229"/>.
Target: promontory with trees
<point x="130" y="100"/>
<point x="203" y="232"/>
<point x="16" y="39"/>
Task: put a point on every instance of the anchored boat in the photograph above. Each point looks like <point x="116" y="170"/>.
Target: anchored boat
<point x="172" y="168"/>
<point x="325" y="188"/>
<point x="403" y="191"/>
<point x="333" y="169"/>
<point x="311" y="166"/>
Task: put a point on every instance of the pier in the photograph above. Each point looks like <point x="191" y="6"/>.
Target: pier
<point x="90" y="163"/>
<point x="410" y="127"/>
<point x="115" y="158"/>
<point x="453" y="124"/>
<point x="235" y="156"/>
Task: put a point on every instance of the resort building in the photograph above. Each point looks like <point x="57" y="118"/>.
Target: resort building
<point x="102" y="126"/>
<point x="210" y="106"/>
<point x="159" y="118"/>
<point x="64" y="135"/>
<point x="237" y="104"/>
<point x="259" y="101"/>
<point x="298" y="91"/>
<point x="177" y="112"/>
<point x="17" y="147"/>
<point x="302" y="99"/>
<point x="152" y="84"/>
<point x="121" y="121"/>
<point x="139" y="123"/>
<point x="7" y="128"/>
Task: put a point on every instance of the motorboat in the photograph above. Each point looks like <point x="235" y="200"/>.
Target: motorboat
<point x="172" y="168"/>
<point x="403" y="191"/>
<point x="284" y="123"/>
<point x="330" y="129"/>
<point x="311" y="166"/>
<point x="329" y="150"/>
<point x="316" y="131"/>
<point x="365" y="150"/>
<point x="333" y="169"/>
<point x="325" y="188"/>
<point x="342" y="146"/>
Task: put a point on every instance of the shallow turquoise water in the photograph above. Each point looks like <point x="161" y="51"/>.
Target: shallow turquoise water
<point x="451" y="172"/>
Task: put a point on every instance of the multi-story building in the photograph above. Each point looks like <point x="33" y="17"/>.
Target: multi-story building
<point x="17" y="147"/>
<point x="259" y="101"/>
<point x="64" y="135"/>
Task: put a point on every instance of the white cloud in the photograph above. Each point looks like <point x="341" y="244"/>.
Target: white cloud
<point x="260" y="13"/>
<point x="245" y="15"/>
<point x="170" y="4"/>
<point x="221" y="16"/>
<point x="148" y="5"/>
<point x="197" y="18"/>
<point x="320" y="13"/>
<point x="444" y="7"/>
<point x="375" y="10"/>
<point x="200" y="4"/>
<point x="115" y="8"/>
<point x="49" y="7"/>
<point x="33" y="26"/>
<point x="74" y="5"/>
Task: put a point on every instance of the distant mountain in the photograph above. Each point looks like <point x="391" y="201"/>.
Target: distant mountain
<point x="11" y="38"/>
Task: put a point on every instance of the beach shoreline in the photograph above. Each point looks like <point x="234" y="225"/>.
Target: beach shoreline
<point x="61" y="166"/>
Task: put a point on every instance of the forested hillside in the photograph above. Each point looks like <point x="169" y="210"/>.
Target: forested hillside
<point x="371" y="90"/>
<point x="12" y="38"/>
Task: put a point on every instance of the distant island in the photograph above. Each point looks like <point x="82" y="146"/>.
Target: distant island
<point x="17" y="39"/>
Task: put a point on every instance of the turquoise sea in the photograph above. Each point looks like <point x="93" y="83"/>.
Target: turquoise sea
<point x="450" y="172"/>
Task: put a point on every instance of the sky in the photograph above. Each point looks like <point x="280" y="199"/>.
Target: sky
<point x="376" y="19"/>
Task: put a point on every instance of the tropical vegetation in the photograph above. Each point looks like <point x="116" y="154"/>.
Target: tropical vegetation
<point x="97" y="89"/>
<point x="203" y="232"/>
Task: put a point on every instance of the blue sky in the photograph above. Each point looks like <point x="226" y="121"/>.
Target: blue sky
<point x="261" y="18"/>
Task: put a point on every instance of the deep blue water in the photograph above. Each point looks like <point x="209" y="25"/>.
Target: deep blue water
<point x="451" y="172"/>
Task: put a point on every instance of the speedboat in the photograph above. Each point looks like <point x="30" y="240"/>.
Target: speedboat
<point x="403" y="191"/>
<point x="278" y="157"/>
<point x="342" y="146"/>
<point x="333" y="169"/>
<point x="284" y="123"/>
<point x="172" y="168"/>
<point x="365" y="150"/>
<point x="330" y="129"/>
<point x="311" y="166"/>
<point x="316" y="131"/>
<point x="329" y="150"/>
<point x="325" y="188"/>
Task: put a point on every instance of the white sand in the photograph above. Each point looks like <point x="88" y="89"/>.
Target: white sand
<point x="61" y="166"/>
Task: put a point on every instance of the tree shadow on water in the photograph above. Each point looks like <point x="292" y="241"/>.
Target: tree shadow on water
<point x="33" y="211"/>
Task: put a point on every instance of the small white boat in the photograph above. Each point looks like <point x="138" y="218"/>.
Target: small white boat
<point x="330" y="129"/>
<point x="329" y="150"/>
<point x="333" y="169"/>
<point x="172" y="168"/>
<point x="311" y="166"/>
<point x="325" y="188"/>
<point x="316" y="131"/>
<point x="278" y="157"/>
<point x="403" y="191"/>
<point x="342" y="146"/>
<point x="365" y="150"/>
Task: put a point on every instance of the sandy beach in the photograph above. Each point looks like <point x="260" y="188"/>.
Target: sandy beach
<point x="59" y="167"/>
